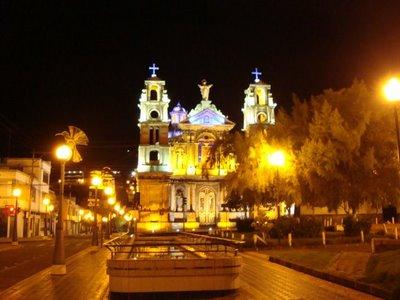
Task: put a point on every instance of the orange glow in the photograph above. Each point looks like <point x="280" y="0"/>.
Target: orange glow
<point x="392" y="90"/>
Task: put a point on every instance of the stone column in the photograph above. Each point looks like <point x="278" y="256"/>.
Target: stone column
<point x="173" y="200"/>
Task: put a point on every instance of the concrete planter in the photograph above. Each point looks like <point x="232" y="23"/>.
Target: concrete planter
<point x="192" y="274"/>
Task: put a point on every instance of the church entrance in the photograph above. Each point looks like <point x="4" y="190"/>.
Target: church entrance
<point x="207" y="203"/>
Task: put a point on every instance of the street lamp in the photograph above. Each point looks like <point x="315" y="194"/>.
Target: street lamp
<point x="109" y="191"/>
<point x="128" y="217"/>
<point x="96" y="181"/>
<point x="392" y="94"/>
<point x="277" y="159"/>
<point x="63" y="154"/>
<point x="51" y="209"/>
<point x="16" y="192"/>
<point x="46" y="202"/>
<point x="111" y="201"/>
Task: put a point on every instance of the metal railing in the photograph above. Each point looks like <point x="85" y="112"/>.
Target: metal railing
<point x="201" y="246"/>
<point x="114" y="245"/>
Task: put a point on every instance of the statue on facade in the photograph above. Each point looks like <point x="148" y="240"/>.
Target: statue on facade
<point x="204" y="89"/>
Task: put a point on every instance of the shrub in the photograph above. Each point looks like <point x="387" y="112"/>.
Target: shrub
<point x="303" y="227"/>
<point x="307" y="227"/>
<point x="282" y="227"/>
<point x="395" y="294"/>
<point x="244" y="225"/>
<point x="330" y="228"/>
<point x="352" y="226"/>
<point x="380" y="232"/>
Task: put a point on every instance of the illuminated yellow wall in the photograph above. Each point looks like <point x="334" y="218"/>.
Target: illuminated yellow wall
<point x="184" y="161"/>
<point x="260" y="93"/>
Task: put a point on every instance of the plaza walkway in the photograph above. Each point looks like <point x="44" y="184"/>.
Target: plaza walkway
<point x="87" y="279"/>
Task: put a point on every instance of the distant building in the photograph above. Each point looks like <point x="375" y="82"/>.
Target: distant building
<point x="32" y="176"/>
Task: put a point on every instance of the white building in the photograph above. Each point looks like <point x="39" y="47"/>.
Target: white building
<point x="32" y="176"/>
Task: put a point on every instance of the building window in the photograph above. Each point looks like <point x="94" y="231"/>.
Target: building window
<point x="151" y="136"/>
<point x="260" y="95"/>
<point x="261" y="118"/>
<point x="154" y="114"/>
<point x="154" y="156"/>
<point x="157" y="137"/>
<point x="153" y="95"/>
<point x="46" y="177"/>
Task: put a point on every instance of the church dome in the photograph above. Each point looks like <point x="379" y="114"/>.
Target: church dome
<point x="178" y="108"/>
<point x="178" y="114"/>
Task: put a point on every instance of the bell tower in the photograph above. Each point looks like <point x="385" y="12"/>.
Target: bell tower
<point x="259" y="106"/>
<point x="153" y="154"/>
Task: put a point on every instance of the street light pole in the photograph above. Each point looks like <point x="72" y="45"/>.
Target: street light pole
<point x="16" y="193"/>
<point x="64" y="154"/>
<point x="392" y="94"/>
<point x="46" y="203"/>
<point x="95" y="234"/>
<point x="45" y="223"/>
<point x="396" y="119"/>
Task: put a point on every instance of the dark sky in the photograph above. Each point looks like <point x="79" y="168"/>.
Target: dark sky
<point x="84" y="64"/>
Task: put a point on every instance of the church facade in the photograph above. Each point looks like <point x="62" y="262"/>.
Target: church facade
<point x="174" y="147"/>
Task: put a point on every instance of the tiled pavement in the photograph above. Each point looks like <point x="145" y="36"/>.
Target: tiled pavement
<point x="86" y="279"/>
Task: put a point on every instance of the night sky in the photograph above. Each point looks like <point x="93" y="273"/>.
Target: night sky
<point x="64" y="64"/>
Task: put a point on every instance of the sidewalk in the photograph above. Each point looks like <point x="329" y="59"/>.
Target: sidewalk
<point x="86" y="278"/>
<point x="31" y="239"/>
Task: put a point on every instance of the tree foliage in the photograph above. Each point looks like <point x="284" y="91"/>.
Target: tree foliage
<point x="340" y="148"/>
<point x="344" y="148"/>
<point x="255" y="180"/>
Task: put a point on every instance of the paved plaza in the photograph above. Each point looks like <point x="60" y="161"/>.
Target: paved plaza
<point x="86" y="279"/>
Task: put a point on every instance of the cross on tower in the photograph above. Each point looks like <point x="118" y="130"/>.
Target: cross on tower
<point x="153" y="69"/>
<point x="256" y="73"/>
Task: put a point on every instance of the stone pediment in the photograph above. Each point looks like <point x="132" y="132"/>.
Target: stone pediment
<point x="206" y="113"/>
<point x="207" y="117"/>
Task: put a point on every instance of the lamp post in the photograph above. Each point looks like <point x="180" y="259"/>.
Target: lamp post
<point x="392" y="94"/>
<point x="277" y="159"/>
<point x="111" y="201"/>
<point x="135" y="227"/>
<point x="81" y="213"/>
<point x="63" y="154"/>
<point x="128" y="218"/>
<point x="51" y="209"/>
<point x="96" y="182"/>
<point x="46" y="202"/>
<point x="16" y="192"/>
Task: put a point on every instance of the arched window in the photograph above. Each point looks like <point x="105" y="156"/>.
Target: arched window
<point x="151" y="134"/>
<point x="153" y="95"/>
<point x="261" y="118"/>
<point x="157" y="137"/>
<point x="260" y="95"/>
<point x="153" y="156"/>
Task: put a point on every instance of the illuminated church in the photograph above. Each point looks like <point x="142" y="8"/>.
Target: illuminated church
<point x="175" y="144"/>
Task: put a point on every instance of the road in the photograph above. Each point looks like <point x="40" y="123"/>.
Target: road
<point x="29" y="258"/>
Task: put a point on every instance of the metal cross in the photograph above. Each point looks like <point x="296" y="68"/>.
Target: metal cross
<point x="256" y="73"/>
<point x="153" y="68"/>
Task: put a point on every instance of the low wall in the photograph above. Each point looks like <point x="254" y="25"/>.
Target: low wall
<point x="172" y="275"/>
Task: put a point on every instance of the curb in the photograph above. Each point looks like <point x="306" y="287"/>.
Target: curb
<point x="353" y="284"/>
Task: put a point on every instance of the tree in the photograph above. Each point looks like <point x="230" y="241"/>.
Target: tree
<point x="255" y="179"/>
<point x="345" y="161"/>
